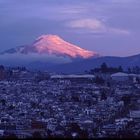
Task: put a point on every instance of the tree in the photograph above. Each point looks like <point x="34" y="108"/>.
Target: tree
<point x="126" y="100"/>
<point x="2" y="67"/>
<point x="108" y="84"/>
<point x="120" y="69"/>
<point x="84" y="134"/>
<point x="10" y="136"/>
<point x="36" y="134"/>
<point x="129" y="70"/>
<point x="104" y="67"/>
<point x="138" y="80"/>
<point x="3" y="101"/>
<point x="99" y="80"/>
<point x="75" y="127"/>
<point x="103" y="95"/>
<point x="137" y="69"/>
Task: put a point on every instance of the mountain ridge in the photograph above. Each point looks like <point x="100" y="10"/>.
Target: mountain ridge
<point x="86" y="65"/>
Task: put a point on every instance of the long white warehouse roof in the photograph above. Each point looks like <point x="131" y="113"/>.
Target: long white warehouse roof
<point x="120" y="74"/>
<point x="73" y="76"/>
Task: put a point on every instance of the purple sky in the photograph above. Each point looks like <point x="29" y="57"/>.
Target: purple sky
<point x="109" y="27"/>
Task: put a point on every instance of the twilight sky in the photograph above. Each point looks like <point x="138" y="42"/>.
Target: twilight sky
<point x="109" y="27"/>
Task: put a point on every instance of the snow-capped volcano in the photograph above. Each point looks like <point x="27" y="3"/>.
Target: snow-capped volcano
<point x="53" y="45"/>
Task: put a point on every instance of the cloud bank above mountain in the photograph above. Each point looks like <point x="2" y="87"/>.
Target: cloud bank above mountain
<point x="95" y="26"/>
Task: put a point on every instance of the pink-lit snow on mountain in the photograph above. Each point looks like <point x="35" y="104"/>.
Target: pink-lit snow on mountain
<point x="53" y="44"/>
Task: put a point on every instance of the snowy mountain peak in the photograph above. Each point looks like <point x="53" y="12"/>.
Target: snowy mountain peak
<point x="54" y="45"/>
<point x="49" y="37"/>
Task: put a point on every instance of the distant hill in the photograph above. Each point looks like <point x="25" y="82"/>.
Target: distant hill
<point x="81" y="66"/>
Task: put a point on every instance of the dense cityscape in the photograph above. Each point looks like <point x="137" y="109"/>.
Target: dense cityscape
<point x="48" y="105"/>
<point x="69" y="69"/>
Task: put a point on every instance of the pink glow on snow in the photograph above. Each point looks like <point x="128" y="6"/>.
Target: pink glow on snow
<point x="53" y="44"/>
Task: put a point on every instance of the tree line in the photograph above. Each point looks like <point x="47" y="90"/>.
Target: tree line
<point x="104" y="68"/>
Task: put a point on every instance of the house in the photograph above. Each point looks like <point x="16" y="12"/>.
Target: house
<point x="1" y="132"/>
<point x="134" y="77"/>
<point x="135" y="115"/>
<point x="109" y="129"/>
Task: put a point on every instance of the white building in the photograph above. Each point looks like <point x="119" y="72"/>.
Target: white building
<point x="73" y="76"/>
<point x="134" y="77"/>
<point x="120" y="76"/>
<point x="135" y="114"/>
